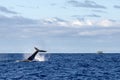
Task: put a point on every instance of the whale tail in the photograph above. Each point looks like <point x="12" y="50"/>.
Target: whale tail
<point x="39" y="50"/>
<point x="34" y="54"/>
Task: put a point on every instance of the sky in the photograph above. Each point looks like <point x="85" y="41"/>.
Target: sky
<point x="60" y="26"/>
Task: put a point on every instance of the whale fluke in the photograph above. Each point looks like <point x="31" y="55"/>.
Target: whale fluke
<point x="39" y="50"/>
<point x="34" y="54"/>
<point x="31" y="58"/>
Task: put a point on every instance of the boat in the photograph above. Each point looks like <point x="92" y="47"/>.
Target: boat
<point x="99" y="52"/>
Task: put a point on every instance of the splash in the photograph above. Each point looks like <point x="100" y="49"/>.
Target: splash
<point x="40" y="57"/>
<point x="26" y="55"/>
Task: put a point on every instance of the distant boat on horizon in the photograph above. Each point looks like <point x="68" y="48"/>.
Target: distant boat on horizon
<point x="99" y="52"/>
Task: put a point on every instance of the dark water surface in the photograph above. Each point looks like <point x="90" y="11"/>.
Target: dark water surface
<point x="61" y="67"/>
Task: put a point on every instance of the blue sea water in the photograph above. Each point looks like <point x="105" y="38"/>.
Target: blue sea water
<point x="61" y="67"/>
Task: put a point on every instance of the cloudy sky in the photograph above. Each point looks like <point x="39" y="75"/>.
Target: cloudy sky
<point x="60" y="25"/>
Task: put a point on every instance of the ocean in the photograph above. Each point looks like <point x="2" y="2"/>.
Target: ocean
<point x="88" y="66"/>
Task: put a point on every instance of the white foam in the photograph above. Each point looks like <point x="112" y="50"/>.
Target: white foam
<point x="40" y="57"/>
<point x="26" y="55"/>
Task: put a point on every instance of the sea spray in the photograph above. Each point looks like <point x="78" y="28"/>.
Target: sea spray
<point x="26" y="55"/>
<point x="38" y="57"/>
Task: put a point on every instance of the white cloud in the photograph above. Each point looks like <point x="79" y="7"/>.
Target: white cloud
<point x="76" y="23"/>
<point x="102" y="32"/>
<point x="86" y="4"/>
<point x="5" y="10"/>
<point x="117" y="6"/>
<point x="20" y="27"/>
<point x="105" y="23"/>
